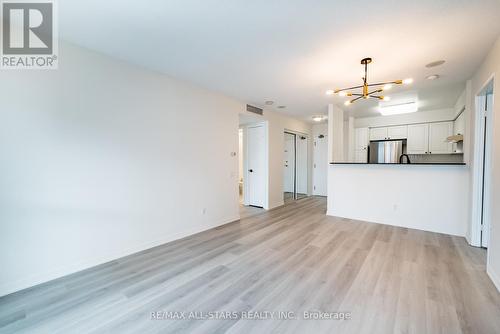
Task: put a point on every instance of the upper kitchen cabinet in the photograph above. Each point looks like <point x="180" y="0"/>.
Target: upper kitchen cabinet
<point x="397" y="132"/>
<point x="438" y="132"/>
<point x="391" y="132"/>
<point x="459" y="125"/>
<point x="418" y="139"/>
<point x="378" y="134"/>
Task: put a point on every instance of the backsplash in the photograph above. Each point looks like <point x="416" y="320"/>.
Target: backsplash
<point x="436" y="158"/>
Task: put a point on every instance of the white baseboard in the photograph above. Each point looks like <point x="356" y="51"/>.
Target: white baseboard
<point x="328" y="213"/>
<point x="275" y="205"/>
<point x="495" y="278"/>
<point x="54" y="273"/>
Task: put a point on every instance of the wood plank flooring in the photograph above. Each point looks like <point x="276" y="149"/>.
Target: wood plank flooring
<point x="292" y="259"/>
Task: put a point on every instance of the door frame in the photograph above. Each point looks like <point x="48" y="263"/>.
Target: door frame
<point x="294" y="187"/>
<point x="266" y="161"/>
<point x="482" y="165"/>
<point x="309" y="161"/>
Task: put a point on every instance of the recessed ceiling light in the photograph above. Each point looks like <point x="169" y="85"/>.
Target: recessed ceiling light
<point x="281" y="107"/>
<point x="269" y="103"/>
<point x="435" y="63"/>
<point x="432" y="77"/>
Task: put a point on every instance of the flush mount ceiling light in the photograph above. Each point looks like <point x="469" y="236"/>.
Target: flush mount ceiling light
<point x="432" y="77"/>
<point x="435" y="63"/>
<point x="396" y="109"/>
<point x="318" y="118"/>
<point x="281" y="107"/>
<point x="269" y="103"/>
<point x="365" y="87"/>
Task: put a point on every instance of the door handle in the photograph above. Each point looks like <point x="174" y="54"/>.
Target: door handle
<point x="250" y="170"/>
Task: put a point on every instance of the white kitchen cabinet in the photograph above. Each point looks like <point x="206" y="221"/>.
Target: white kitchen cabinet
<point x="361" y="145"/>
<point x="391" y="132"/>
<point x="397" y="132"/>
<point x="361" y="156"/>
<point x="459" y="125"/>
<point x="438" y="132"/>
<point x="378" y="134"/>
<point x="418" y="139"/>
<point x="361" y="138"/>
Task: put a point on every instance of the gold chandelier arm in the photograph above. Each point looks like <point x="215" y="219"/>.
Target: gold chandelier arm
<point x="344" y="89"/>
<point x="376" y="91"/>
<point x="395" y="82"/>
<point x="354" y="100"/>
<point x="376" y="97"/>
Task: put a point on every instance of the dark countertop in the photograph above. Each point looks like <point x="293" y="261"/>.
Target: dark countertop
<point x="416" y="163"/>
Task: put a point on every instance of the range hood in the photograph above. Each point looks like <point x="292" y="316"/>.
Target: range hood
<point x="455" y="138"/>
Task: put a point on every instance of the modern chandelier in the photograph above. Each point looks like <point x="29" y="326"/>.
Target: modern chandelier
<point x="368" y="90"/>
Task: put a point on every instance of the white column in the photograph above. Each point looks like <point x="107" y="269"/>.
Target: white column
<point x="335" y="134"/>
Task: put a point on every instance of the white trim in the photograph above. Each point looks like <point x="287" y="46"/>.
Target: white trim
<point x="363" y="220"/>
<point x="477" y="173"/>
<point x="276" y="205"/>
<point x="495" y="278"/>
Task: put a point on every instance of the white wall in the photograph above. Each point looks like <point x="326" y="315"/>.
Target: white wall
<point x="100" y="159"/>
<point x="430" y="198"/>
<point x="490" y="67"/>
<point x="335" y="133"/>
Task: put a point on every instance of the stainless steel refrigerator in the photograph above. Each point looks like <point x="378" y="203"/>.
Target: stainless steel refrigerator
<point x="386" y="151"/>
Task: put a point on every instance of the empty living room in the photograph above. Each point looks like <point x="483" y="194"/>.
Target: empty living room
<point x="205" y="166"/>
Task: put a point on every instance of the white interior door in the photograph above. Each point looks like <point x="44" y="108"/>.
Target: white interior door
<point x="289" y="163"/>
<point x="256" y="164"/>
<point x="320" y="165"/>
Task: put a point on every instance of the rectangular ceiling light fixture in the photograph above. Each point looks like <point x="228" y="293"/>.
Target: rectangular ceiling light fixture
<point x="396" y="109"/>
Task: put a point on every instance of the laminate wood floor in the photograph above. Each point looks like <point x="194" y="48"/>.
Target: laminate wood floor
<point x="292" y="259"/>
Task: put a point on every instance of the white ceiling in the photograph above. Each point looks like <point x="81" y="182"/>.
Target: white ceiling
<point x="292" y="51"/>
